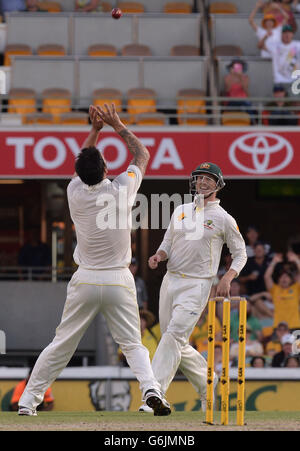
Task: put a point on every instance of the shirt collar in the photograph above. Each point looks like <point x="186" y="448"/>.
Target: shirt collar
<point x="210" y="203"/>
<point x="96" y="187"/>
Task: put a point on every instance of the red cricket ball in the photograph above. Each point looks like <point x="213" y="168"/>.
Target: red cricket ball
<point x="116" y="13"/>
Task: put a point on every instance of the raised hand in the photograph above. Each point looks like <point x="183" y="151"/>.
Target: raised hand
<point x="109" y="115"/>
<point x="97" y="122"/>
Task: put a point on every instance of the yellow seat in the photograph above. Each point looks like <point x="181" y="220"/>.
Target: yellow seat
<point x="136" y="50"/>
<point x="236" y="119"/>
<point x="21" y="101"/>
<point x="151" y="119"/>
<point x="51" y="50"/>
<point x="131" y="7"/>
<point x="185" y="50"/>
<point x="102" y="50"/>
<point x="223" y="8"/>
<point x="177" y="8"/>
<point x="191" y="107"/>
<point x="108" y="96"/>
<point x="51" y="7"/>
<point x="38" y="119"/>
<point x="56" y="101"/>
<point x="74" y="118"/>
<point x="140" y="100"/>
<point x="15" y="49"/>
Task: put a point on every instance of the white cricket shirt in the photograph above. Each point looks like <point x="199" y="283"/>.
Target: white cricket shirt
<point x="200" y="258"/>
<point x="102" y="217"/>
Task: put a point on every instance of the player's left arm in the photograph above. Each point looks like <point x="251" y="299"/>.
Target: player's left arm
<point x="237" y="248"/>
<point x="97" y="125"/>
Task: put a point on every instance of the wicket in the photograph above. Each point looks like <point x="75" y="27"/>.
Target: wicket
<point x="225" y="360"/>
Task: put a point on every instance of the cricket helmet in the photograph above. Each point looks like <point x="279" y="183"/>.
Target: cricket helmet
<point x="208" y="168"/>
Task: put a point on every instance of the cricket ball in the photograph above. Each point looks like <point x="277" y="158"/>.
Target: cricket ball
<point x="116" y="13"/>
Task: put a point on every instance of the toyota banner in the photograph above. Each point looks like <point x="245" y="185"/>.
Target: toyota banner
<point x="241" y="153"/>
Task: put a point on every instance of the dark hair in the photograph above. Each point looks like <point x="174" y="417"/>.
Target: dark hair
<point x="257" y="357"/>
<point x="90" y="166"/>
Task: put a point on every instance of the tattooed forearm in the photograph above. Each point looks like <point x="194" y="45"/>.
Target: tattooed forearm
<point x="140" y="153"/>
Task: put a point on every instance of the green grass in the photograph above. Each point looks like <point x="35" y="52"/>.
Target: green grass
<point x="136" y="421"/>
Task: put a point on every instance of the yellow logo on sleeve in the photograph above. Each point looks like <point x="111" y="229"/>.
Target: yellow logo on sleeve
<point x="131" y="174"/>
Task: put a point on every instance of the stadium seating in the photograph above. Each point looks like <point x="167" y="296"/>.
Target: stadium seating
<point x="140" y="100"/>
<point x="15" y="49"/>
<point x="151" y="119"/>
<point x="227" y="50"/>
<point x="51" y="50"/>
<point x="177" y="8"/>
<point x="222" y="8"/>
<point x="108" y="95"/>
<point x="22" y="101"/>
<point x="191" y="107"/>
<point x="56" y="101"/>
<point x="236" y="119"/>
<point x="185" y="50"/>
<point x="50" y="7"/>
<point x="74" y="118"/>
<point x="101" y="50"/>
<point x="136" y="50"/>
<point x="131" y="7"/>
<point x="39" y="119"/>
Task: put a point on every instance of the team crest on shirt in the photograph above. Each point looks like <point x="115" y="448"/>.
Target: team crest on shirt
<point x="209" y="224"/>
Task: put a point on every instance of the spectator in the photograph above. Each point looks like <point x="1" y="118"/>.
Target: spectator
<point x="236" y="86"/>
<point x="252" y="237"/>
<point x="263" y="307"/>
<point x="35" y="254"/>
<point x="282" y="11"/>
<point x="32" y="6"/>
<point x="286" y="351"/>
<point x="292" y="362"/>
<point x="88" y="6"/>
<point x="258" y="362"/>
<point x="253" y="347"/>
<point x="46" y="405"/>
<point x="8" y="6"/>
<point x="141" y="290"/>
<point x="149" y="340"/>
<point x="218" y="359"/>
<point x="285" y="293"/>
<point x="253" y="323"/>
<point x="198" y="338"/>
<point x="236" y="81"/>
<point x="285" y="55"/>
<point x="274" y="344"/>
<point x="269" y="27"/>
<point x="252" y="274"/>
<point x="279" y="110"/>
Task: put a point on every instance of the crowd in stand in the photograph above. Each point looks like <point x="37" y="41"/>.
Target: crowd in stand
<point x="271" y="284"/>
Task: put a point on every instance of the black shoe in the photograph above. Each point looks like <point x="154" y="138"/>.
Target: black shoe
<point x="159" y="405"/>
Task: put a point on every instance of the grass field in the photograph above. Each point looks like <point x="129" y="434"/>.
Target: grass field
<point x="136" y="421"/>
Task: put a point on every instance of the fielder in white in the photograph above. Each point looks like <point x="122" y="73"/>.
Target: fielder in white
<point x="103" y="282"/>
<point x="193" y="263"/>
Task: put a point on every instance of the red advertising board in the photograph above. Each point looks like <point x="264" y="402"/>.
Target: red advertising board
<point x="241" y="153"/>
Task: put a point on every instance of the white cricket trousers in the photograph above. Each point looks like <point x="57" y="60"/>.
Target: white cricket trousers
<point x="111" y="292"/>
<point x="181" y="303"/>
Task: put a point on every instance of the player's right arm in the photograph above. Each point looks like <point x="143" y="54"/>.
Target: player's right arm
<point x="163" y="251"/>
<point x="140" y="153"/>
